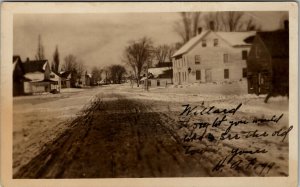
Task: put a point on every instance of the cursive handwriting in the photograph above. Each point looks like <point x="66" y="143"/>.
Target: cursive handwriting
<point x="188" y="110"/>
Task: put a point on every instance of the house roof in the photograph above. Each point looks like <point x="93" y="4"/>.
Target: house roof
<point x="163" y="64"/>
<point x="232" y="38"/>
<point x="16" y="58"/>
<point x="64" y="74"/>
<point x="277" y="42"/>
<point x="190" y="44"/>
<point x="236" y="38"/>
<point x="34" y="66"/>
<point x="89" y="75"/>
<point x="162" y="72"/>
<point x="54" y="76"/>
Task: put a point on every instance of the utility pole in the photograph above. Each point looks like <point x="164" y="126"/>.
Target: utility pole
<point x="147" y="67"/>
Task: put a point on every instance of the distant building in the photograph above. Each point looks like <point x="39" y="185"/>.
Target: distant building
<point x="213" y="57"/>
<point x="159" y="76"/>
<point x="268" y="63"/>
<point x="65" y="79"/>
<point x="88" y="78"/>
<point x="84" y="80"/>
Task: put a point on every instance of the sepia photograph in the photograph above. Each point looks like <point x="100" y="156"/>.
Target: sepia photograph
<point x="151" y="94"/>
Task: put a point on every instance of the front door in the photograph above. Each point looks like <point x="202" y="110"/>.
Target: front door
<point x="208" y="76"/>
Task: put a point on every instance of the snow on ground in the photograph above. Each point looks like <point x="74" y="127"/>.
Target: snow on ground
<point x="41" y="118"/>
<point x="222" y="95"/>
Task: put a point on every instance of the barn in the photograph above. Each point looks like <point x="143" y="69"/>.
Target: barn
<point x="268" y="64"/>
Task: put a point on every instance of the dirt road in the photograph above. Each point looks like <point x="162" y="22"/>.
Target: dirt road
<point x="117" y="138"/>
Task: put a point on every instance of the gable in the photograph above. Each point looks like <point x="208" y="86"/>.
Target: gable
<point x="236" y="39"/>
<point x="229" y="39"/>
<point x="190" y="44"/>
<point x="35" y="66"/>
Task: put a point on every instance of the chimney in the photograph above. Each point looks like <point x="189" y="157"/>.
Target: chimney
<point x="212" y="25"/>
<point x="286" y="25"/>
<point x="27" y="59"/>
<point x="199" y="30"/>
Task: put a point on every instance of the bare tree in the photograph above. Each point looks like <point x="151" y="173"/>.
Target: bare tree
<point x="213" y="21"/>
<point x="161" y="53"/>
<point x="138" y="54"/>
<point x="171" y="51"/>
<point x="80" y="69"/>
<point x="70" y="63"/>
<point x="96" y="74"/>
<point x="187" y="27"/>
<point x="250" y="25"/>
<point x="75" y="66"/>
<point x="229" y="21"/>
<point x="40" y="50"/>
<point x="164" y="53"/>
<point x="116" y="73"/>
<point x="71" y="66"/>
<point x="55" y="63"/>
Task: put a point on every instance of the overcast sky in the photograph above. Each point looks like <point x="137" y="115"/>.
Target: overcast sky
<point x="99" y="39"/>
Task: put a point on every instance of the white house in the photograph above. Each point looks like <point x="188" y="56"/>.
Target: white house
<point x="212" y="57"/>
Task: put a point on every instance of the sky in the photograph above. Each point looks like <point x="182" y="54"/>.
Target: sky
<point x="99" y="39"/>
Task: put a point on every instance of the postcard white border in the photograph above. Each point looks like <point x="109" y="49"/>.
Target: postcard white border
<point x="9" y="9"/>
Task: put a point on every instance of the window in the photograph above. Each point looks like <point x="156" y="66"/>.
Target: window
<point x="216" y="41"/>
<point x="244" y="72"/>
<point x="198" y="75"/>
<point x="226" y="73"/>
<point x="203" y="43"/>
<point x="244" y="55"/>
<point x="158" y="82"/>
<point x="197" y="59"/>
<point x="225" y="58"/>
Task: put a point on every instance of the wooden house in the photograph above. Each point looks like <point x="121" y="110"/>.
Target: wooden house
<point x="268" y="63"/>
<point x="37" y="72"/>
<point x="159" y="76"/>
<point x="212" y="57"/>
<point x="65" y="79"/>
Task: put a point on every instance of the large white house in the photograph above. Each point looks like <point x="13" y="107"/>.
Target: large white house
<point x="212" y="57"/>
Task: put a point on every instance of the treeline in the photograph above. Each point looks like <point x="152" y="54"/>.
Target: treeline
<point x="77" y="68"/>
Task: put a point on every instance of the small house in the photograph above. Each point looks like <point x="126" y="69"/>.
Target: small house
<point x="37" y="74"/>
<point x="159" y="76"/>
<point x="65" y="79"/>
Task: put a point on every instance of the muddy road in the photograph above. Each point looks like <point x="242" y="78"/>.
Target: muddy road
<point x="114" y="138"/>
<point x="117" y="136"/>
